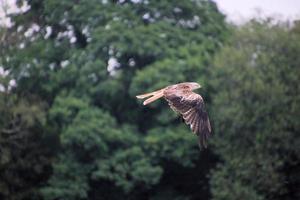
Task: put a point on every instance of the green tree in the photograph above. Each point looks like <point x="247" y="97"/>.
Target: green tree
<point x="256" y="114"/>
<point x="24" y="158"/>
<point x="87" y="60"/>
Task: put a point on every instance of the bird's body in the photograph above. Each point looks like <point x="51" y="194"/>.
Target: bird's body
<point x="190" y="105"/>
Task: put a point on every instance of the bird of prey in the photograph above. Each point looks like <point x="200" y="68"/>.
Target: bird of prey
<point x="188" y="104"/>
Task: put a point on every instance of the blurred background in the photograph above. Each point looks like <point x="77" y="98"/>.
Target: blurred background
<point x="72" y="129"/>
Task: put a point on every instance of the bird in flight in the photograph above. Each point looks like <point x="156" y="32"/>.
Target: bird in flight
<point x="188" y="104"/>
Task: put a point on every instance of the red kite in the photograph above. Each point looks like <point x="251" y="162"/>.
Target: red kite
<point x="190" y="105"/>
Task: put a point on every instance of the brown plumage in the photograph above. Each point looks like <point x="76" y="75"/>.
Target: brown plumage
<point x="190" y="105"/>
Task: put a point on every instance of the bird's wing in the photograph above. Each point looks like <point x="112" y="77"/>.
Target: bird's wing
<point x="192" y="109"/>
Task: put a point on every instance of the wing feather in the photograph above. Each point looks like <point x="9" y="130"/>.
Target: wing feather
<point x="192" y="109"/>
<point x="189" y="116"/>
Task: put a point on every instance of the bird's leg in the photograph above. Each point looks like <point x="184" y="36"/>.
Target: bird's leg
<point x="153" y="96"/>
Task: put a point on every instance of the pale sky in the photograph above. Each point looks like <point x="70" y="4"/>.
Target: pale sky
<point x="237" y="11"/>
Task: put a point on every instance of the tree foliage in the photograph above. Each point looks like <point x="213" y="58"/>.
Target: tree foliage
<point x="87" y="60"/>
<point x="71" y="127"/>
<point x="24" y="157"/>
<point x="256" y="113"/>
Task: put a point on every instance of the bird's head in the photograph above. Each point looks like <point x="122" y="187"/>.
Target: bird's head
<point x="186" y="86"/>
<point x="194" y="85"/>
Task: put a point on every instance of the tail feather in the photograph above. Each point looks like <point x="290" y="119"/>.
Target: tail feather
<point x="153" y="96"/>
<point x="142" y="96"/>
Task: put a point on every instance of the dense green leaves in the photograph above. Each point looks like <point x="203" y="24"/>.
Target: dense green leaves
<point x="128" y="169"/>
<point x="24" y="157"/>
<point x="71" y="127"/>
<point x="69" y="180"/>
<point x="172" y="144"/>
<point x="257" y="113"/>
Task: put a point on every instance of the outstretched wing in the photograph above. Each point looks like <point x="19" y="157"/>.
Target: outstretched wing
<point x="192" y="109"/>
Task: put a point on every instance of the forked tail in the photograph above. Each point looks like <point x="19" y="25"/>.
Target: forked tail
<point x="152" y="96"/>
